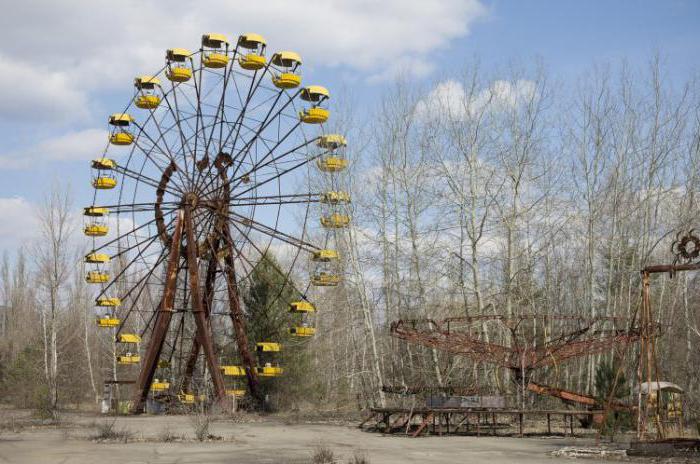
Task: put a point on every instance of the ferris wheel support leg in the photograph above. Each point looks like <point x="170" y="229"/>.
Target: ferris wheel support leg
<point x="209" y="296"/>
<point x="238" y="320"/>
<point x="160" y="328"/>
<point x="200" y="316"/>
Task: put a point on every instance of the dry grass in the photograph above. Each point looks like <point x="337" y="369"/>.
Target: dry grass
<point x="323" y="455"/>
<point x="107" y="431"/>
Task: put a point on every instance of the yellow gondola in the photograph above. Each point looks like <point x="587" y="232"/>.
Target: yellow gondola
<point x="146" y="98"/>
<point x="128" y="359"/>
<point x="335" y="198"/>
<point x="120" y="135"/>
<point x="335" y="221"/>
<point x="211" y="44"/>
<point x="233" y="371"/>
<point x="158" y="386"/>
<point x="104" y="182"/>
<point x="105" y="164"/>
<point x="97" y="258"/>
<point x="302" y="331"/>
<point x="301" y="307"/>
<point x="269" y="370"/>
<point x="255" y="58"/>
<point x="317" y="96"/>
<point x="108" y="321"/>
<point x="121" y="138"/>
<point x="288" y="64"/>
<point x="177" y="70"/>
<point x="96" y="230"/>
<point x="324" y="256"/>
<point x="108" y="302"/>
<point x="186" y="398"/>
<point x="325" y="279"/>
<point x="129" y="338"/>
<point x="237" y="393"/>
<point x="97" y="277"/>
<point x="95" y="211"/>
<point x="332" y="163"/>
<point x="332" y="142"/>
<point x="268" y="347"/>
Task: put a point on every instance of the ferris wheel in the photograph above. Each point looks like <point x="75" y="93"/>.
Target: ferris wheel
<point x="207" y="171"/>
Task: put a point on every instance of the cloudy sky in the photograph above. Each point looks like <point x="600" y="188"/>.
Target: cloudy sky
<point x="67" y="65"/>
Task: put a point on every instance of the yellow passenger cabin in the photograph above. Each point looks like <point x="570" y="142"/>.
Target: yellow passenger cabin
<point x="287" y="68"/>
<point x="325" y="279"/>
<point x="95" y="211"/>
<point x="269" y="370"/>
<point x="97" y="277"/>
<point x="146" y="97"/>
<point x="335" y="197"/>
<point x="332" y="142"/>
<point x="186" y="398"/>
<point x="335" y="221"/>
<point x="332" y="163"/>
<point x="268" y="347"/>
<point x="176" y="59"/>
<point x="104" y="164"/>
<point x="104" y="182"/>
<point x="108" y="301"/>
<point x="129" y="338"/>
<point x="324" y="256"/>
<point x="97" y="258"/>
<point x="236" y="393"/>
<point x="96" y="230"/>
<point x="233" y="371"/>
<point x="128" y="359"/>
<point x="302" y="331"/>
<point x="254" y="58"/>
<point x="301" y="307"/>
<point x="120" y="135"/>
<point x="214" y="50"/>
<point x="160" y="386"/>
<point x="108" y="322"/>
<point x="317" y="96"/>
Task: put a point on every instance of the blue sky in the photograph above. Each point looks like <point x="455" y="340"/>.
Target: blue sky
<point x="69" y="74"/>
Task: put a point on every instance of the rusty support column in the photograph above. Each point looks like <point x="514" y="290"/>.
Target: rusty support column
<point x="162" y="322"/>
<point x="238" y="319"/>
<point x="203" y="331"/>
<point x="209" y="298"/>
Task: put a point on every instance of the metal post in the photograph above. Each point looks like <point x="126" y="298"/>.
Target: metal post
<point x="160" y="328"/>
<point x="238" y="320"/>
<point x="203" y="330"/>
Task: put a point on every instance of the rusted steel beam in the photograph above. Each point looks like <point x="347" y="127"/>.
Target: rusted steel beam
<point x="204" y="333"/>
<point x="209" y="298"/>
<point x="162" y="322"/>
<point x="238" y="319"/>
<point x="656" y="268"/>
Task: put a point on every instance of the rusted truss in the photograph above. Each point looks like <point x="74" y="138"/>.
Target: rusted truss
<point x="465" y="336"/>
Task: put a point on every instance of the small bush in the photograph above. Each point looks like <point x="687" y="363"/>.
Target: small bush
<point x="323" y="455"/>
<point x="358" y="458"/>
<point x="200" y="424"/>
<point x="168" y="436"/>
<point x="106" y="431"/>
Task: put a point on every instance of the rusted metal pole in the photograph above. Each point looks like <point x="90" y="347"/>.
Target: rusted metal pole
<point x="204" y="333"/>
<point x="162" y="322"/>
<point x="209" y="298"/>
<point x="238" y="320"/>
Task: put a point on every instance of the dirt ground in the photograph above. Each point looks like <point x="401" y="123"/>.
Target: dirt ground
<point x="242" y="441"/>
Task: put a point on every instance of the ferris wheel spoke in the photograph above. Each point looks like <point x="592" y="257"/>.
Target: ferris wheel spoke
<point x="292" y="198"/>
<point x="124" y="208"/>
<point x="272" y="232"/>
<point x="278" y="175"/>
<point x="121" y="236"/>
<point x="287" y="279"/>
<point x="165" y="142"/>
<point x="143" y="284"/>
<point x="142" y="178"/>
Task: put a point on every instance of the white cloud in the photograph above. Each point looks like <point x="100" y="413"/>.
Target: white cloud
<point x="449" y="98"/>
<point x="73" y="146"/>
<point x="34" y="92"/>
<point x="98" y="44"/>
<point x="18" y="222"/>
